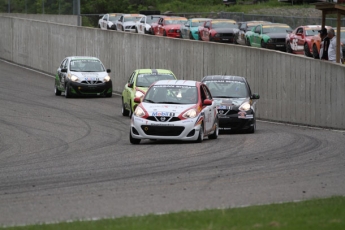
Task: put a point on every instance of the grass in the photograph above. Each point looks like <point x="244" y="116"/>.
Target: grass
<point x="315" y="214"/>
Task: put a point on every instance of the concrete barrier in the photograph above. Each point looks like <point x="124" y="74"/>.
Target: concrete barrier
<point x="293" y="88"/>
<point x="56" y="18"/>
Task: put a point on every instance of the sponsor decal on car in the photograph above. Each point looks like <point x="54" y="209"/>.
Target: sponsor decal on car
<point x="163" y="114"/>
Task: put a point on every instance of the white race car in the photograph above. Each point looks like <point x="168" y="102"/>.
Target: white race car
<point x="108" y="21"/>
<point x="143" y="26"/>
<point x="127" y="22"/>
<point x="175" y="110"/>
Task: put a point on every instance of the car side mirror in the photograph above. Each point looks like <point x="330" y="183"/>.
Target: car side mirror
<point x="108" y="70"/>
<point x="137" y="100"/>
<point x="255" y="96"/>
<point x="130" y="85"/>
<point x="64" y="70"/>
<point x="207" y="102"/>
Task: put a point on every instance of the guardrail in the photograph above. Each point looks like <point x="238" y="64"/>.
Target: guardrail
<point x="293" y="88"/>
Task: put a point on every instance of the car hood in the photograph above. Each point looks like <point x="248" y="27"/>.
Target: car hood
<point x="90" y="76"/>
<point x="131" y="23"/>
<point x="225" y="30"/>
<point x="229" y="102"/>
<point x="165" y="110"/>
<point x="276" y="35"/>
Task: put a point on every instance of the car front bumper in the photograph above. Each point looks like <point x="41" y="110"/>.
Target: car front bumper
<point x="79" y="89"/>
<point x="236" y="121"/>
<point x="185" y="130"/>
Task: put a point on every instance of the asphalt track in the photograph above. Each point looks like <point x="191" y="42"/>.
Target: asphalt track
<point x="65" y="159"/>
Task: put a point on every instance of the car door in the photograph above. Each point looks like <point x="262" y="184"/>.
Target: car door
<point x="257" y="35"/>
<point x="62" y="75"/>
<point x="129" y="89"/>
<point x="141" y="25"/>
<point x="300" y="38"/>
<point x="185" y="28"/>
<point x="119" y="25"/>
<point x="208" y="109"/>
<point x="206" y="31"/>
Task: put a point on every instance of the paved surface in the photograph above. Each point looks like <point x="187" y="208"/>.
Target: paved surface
<point x="63" y="159"/>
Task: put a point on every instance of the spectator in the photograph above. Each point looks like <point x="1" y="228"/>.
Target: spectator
<point x="324" y="44"/>
<point x="333" y="47"/>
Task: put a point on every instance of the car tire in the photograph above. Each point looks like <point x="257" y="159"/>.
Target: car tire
<point x="201" y="134"/>
<point x="248" y="42"/>
<point x="191" y="36"/>
<point x="57" y="91"/>
<point x="263" y="44"/>
<point x="307" y="51"/>
<point x="133" y="140"/>
<point x="316" y="54"/>
<point x="136" y="30"/>
<point x="125" y="112"/>
<point x="214" y="135"/>
<point x="210" y="38"/>
<point x="67" y="92"/>
<point x="288" y="48"/>
<point x="164" y="33"/>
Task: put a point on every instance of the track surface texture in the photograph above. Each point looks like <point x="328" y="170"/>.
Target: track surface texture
<point x="66" y="159"/>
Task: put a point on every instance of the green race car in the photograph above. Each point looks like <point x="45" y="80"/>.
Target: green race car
<point x="137" y="85"/>
<point x="270" y="36"/>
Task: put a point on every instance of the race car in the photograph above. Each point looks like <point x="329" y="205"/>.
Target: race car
<point x="235" y="102"/>
<point x="219" y="30"/>
<point x="270" y="36"/>
<point x="190" y="30"/>
<point x="108" y="21"/>
<point x="144" y="25"/>
<point x="83" y="76"/>
<point x="169" y="26"/>
<point x="127" y="22"/>
<point x="244" y="27"/>
<point x="175" y="110"/>
<point x="299" y="41"/>
<point x="137" y="85"/>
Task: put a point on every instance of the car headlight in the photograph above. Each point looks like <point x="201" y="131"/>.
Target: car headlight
<point x="107" y="78"/>
<point x="178" y="31"/>
<point x="190" y="113"/>
<point x="73" y="78"/>
<point x="139" y="93"/>
<point x="245" y="106"/>
<point x="139" y="112"/>
<point x="217" y="35"/>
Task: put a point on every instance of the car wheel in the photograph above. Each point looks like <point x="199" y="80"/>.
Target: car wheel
<point x="248" y="42"/>
<point x="57" y="91"/>
<point x="133" y="140"/>
<point x="201" y="134"/>
<point x="306" y="50"/>
<point x="263" y="44"/>
<point x="123" y="29"/>
<point x="315" y="52"/>
<point x="210" y="38"/>
<point x="67" y="92"/>
<point x="136" y="30"/>
<point x="288" y="48"/>
<point x="108" y="28"/>
<point x="164" y="33"/>
<point x="214" y="135"/>
<point x="191" y="36"/>
<point x="125" y="112"/>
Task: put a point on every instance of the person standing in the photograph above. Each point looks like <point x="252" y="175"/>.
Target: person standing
<point x="324" y="44"/>
<point x="333" y="47"/>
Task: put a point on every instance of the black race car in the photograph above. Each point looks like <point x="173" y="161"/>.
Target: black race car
<point x="235" y="102"/>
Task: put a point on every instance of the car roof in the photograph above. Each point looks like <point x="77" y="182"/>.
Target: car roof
<point x="223" y="20"/>
<point x="83" y="57"/>
<point x="199" y="19"/>
<point x="177" y="82"/>
<point x="143" y="71"/>
<point x="133" y="15"/>
<point x="275" y="25"/>
<point x="224" y="77"/>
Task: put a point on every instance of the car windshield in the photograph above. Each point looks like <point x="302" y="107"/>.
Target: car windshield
<point x="311" y="32"/>
<point x="152" y="19"/>
<point x="224" y="25"/>
<point x="197" y="23"/>
<point x="173" y="22"/>
<point x="275" y="29"/>
<point x="172" y="94"/>
<point x="145" y="80"/>
<point x="85" y="65"/>
<point x="114" y="18"/>
<point x="131" y="19"/>
<point x="227" y="89"/>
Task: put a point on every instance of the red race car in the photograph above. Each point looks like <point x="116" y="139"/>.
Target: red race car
<point x="219" y="30"/>
<point x="300" y="40"/>
<point x="169" y="26"/>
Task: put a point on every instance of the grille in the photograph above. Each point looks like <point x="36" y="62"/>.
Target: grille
<point x="227" y="112"/>
<point x="91" y="82"/>
<point x="162" y="130"/>
<point x="167" y="119"/>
